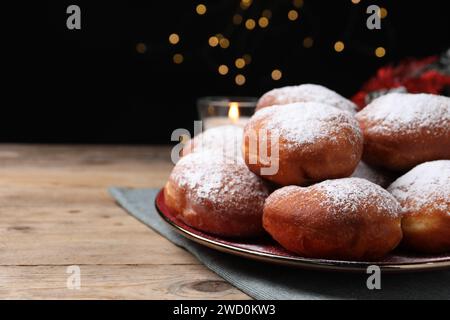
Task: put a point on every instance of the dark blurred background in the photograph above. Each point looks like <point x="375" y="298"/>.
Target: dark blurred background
<point x="123" y="78"/>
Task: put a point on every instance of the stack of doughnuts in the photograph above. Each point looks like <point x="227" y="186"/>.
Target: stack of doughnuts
<point x="318" y="176"/>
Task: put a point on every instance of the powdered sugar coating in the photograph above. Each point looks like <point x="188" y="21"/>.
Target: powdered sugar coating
<point x="426" y="185"/>
<point x="226" y="140"/>
<point x="306" y="93"/>
<point x="304" y="123"/>
<point x="355" y="195"/>
<point x="225" y="183"/>
<point x="405" y="112"/>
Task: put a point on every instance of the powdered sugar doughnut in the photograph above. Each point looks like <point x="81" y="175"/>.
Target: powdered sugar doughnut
<point x="349" y="219"/>
<point x="216" y="194"/>
<point x="226" y="140"/>
<point x="316" y="142"/>
<point x="402" y="130"/>
<point x="305" y="93"/>
<point x="424" y="194"/>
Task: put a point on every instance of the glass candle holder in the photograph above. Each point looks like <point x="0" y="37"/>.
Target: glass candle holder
<point x="219" y="111"/>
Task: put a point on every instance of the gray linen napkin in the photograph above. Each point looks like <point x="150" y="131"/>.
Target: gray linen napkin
<point x="266" y="281"/>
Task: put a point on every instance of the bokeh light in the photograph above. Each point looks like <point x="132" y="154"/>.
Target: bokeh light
<point x="240" y="79"/>
<point x="308" y="42"/>
<point x="178" y="58"/>
<point x="250" y="24"/>
<point x="263" y="22"/>
<point x="276" y="74"/>
<point x="213" y="41"/>
<point x="141" y="48"/>
<point x="223" y="69"/>
<point x="292" y="15"/>
<point x="239" y="63"/>
<point x="201" y="9"/>
<point x="174" y="38"/>
<point x="380" y="52"/>
<point x="339" y="46"/>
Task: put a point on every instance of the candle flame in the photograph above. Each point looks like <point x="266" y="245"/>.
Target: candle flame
<point x="233" y="112"/>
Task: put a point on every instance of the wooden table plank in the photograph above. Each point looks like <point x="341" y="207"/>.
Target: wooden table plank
<point x="56" y="236"/>
<point x="115" y="282"/>
<point x="55" y="212"/>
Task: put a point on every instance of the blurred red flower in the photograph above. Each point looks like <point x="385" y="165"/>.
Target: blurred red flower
<point x="411" y="75"/>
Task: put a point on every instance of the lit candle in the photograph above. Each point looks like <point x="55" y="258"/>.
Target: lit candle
<point x="233" y="118"/>
<point x="221" y="111"/>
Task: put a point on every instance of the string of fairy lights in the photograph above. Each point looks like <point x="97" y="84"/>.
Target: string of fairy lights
<point x="263" y="20"/>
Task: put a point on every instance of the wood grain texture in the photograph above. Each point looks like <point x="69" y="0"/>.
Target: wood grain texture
<point x="55" y="212"/>
<point x="115" y="282"/>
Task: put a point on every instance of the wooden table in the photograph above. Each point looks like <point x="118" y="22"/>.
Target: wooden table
<point x="55" y="212"/>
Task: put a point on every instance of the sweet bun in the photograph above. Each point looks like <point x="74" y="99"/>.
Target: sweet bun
<point x="402" y="130"/>
<point x="216" y="194"/>
<point x="316" y="142"/>
<point x="305" y="93"/>
<point x="226" y="140"/>
<point x="424" y="194"/>
<point x="348" y="219"/>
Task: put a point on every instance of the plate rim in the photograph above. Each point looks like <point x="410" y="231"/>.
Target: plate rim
<point x="299" y="262"/>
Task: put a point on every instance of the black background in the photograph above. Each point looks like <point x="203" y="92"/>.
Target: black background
<point x="92" y="86"/>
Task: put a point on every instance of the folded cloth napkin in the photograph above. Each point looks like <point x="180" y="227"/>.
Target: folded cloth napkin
<point x="266" y="281"/>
